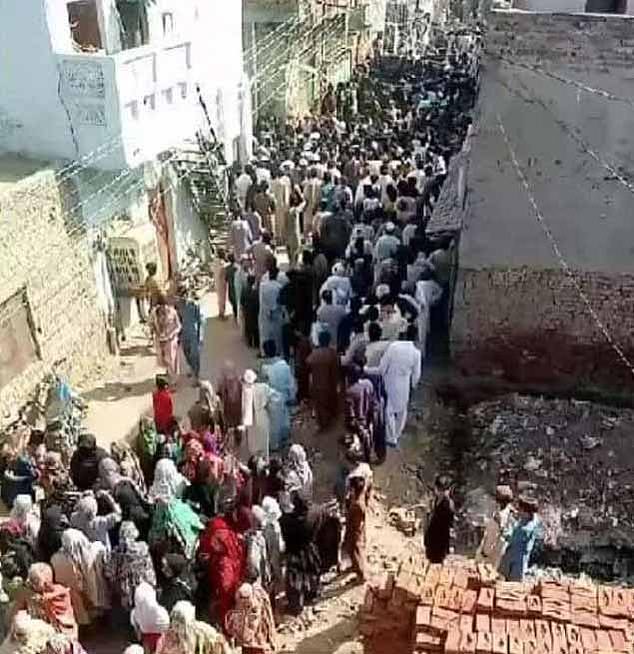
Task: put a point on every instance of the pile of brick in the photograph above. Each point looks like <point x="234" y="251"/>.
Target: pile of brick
<point x="463" y="608"/>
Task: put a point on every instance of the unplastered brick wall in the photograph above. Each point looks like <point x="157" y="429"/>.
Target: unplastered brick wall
<point x="37" y="253"/>
<point x="593" y="41"/>
<point x="533" y="325"/>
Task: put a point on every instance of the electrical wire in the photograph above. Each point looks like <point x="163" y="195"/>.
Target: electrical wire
<point x="572" y="133"/>
<point x="271" y="95"/>
<point x="565" y="266"/>
<point x="77" y="243"/>
<point x="565" y="80"/>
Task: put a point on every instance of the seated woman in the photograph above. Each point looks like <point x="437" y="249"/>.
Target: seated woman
<point x="48" y="601"/>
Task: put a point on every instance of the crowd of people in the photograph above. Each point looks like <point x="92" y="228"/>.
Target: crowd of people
<point x="196" y="539"/>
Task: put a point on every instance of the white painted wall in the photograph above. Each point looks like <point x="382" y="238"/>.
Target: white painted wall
<point x="188" y="231"/>
<point x="120" y="109"/>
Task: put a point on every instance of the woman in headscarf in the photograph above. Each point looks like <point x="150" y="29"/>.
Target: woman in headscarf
<point x="222" y="550"/>
<point x="79" y="565"/>
<point x="194" y="452"/>
<point x="129" y="565"/>
<point x="19" y="476"/>
<point x="275" y="546"/>
<point x="180" y="583"/>
<point x="299" y="476"/>
<point x="252" y="623"/>
<point x="129" y="464"/>
<point x="25" y="518"/>
<point x="174" y="522"/>
<point x="96" y="527"/>
<point x="187" y="635"/>
<point x="204" y="490"/>
<point x="303" y="565"/>
<point x="57" y="484"/>
<point x="258" y="567"/>
<point x="149" y="619"/>
<point x="48" y="601"/>
<point x="166" y="327"/>
<point x="84" y="464"/>
<point x="27" y="635"/>
<point x="49" y="538"/>
<point x="126" y="493"/>
<point x="230" y="392"/>
<point x="209" y="406"/>
<point x="147" y="447"/>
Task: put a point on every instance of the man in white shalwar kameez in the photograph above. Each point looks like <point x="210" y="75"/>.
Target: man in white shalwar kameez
<point x="281" y="188"/>
<point x="428" y="294"/>
<point x="312" y="195"/>
<point x="255" y="417"/>
<point x="400" y="368"/>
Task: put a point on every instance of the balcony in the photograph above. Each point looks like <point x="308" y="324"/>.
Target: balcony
<point x="132" y="105"/>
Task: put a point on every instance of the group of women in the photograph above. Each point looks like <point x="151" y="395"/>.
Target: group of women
<point x="171" y="542"/>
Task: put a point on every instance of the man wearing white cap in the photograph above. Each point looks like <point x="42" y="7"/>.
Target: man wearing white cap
<point x="281" y="188"/>
<point x="386" y="245"/>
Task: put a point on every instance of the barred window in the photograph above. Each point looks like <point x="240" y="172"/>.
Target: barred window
<point x="18" y="344"/>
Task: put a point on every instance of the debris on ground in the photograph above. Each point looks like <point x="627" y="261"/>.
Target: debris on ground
<point x="575" y="457"/>
<point x="404" y="520"/>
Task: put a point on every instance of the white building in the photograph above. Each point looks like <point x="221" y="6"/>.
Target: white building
<point x="113" y="92"/>
<point x="78" y="76"/>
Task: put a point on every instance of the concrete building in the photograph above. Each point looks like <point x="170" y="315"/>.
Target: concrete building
<point x="122" y="99"/>
<point x="546" y="274"/>
<point x="84" y="75"/>
<point x="295" y="48"/>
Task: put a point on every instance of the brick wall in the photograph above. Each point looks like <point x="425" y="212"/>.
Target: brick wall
<point x="531" y="326"/>
<point x="37" y="253"/>
<point x="516" y="314"/>
<point x="585" y="40"/>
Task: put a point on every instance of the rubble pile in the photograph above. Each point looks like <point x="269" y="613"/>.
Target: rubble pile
<point x="574" y="456"/>
<point x="461" y="607"/>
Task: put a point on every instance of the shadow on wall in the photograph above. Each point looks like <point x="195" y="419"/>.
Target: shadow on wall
<point x="548" y="358"/>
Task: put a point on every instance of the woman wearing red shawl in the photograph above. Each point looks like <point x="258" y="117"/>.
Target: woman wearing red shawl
<point x="223" y="551"/>
<point x="48" y="601"/>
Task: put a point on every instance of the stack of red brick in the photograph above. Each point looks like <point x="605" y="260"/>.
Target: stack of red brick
<point x="462" y="608"/>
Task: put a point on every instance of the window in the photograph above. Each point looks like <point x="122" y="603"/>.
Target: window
<point x="18" y="346"/>
<point x="605" y="6"/>
<point x="84" y="25"/>
<point x="168" y="23"/>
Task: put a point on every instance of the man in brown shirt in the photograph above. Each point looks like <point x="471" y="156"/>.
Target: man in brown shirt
<point x="324" y="379"/>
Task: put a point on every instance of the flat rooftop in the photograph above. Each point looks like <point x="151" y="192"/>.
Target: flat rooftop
<point x="14" y="168"/>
